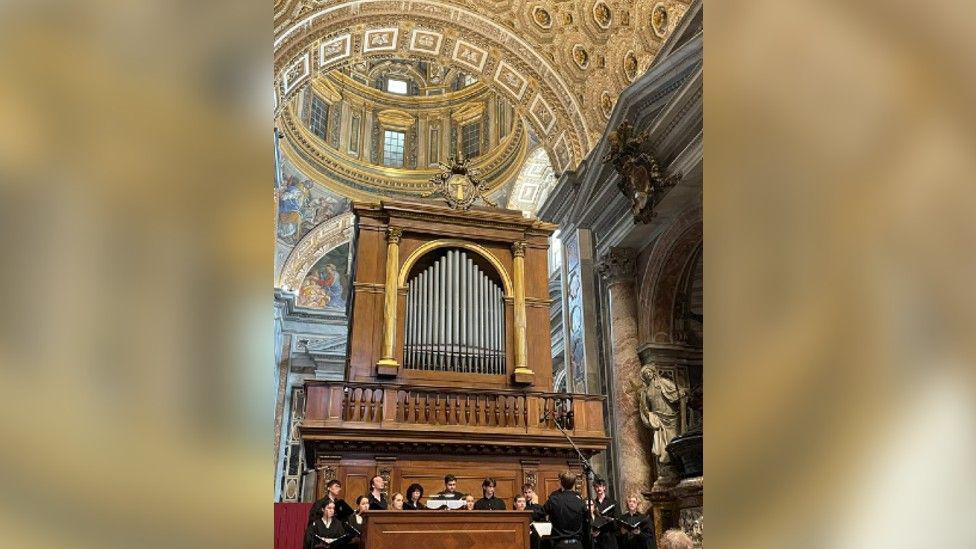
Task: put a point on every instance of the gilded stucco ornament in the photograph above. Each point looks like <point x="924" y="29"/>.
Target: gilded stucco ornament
<point x="606" y="103"/>
<point x="660" y="20"/>
<point x="630" y="66"/>
<point x="459" y="185"/>
<point x="542" y="18"/>
<point x="641" y="180"/>
<point x="580" y="56"/>
<point x="602" y="15"/>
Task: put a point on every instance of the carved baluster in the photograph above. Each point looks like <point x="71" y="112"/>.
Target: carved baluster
<point x="378" y="406"/>
<point x="467" y="409"/>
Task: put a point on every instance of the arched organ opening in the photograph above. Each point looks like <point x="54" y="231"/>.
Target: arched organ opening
<point x="455" y="316"/>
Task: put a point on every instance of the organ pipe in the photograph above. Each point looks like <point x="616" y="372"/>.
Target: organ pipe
<point x="455" y="318"/>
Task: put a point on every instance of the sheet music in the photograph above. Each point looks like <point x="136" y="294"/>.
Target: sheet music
<point x="450" y="503"/>
<point x="542" y="528"/>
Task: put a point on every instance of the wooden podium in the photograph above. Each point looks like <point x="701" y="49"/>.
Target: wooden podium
<point x="448" y="529"/>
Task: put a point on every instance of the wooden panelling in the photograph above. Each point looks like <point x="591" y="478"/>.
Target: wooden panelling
<point x="429" y="471"/>
<point x="448" y="529"/>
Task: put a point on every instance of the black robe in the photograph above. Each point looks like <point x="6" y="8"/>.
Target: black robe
<point x="641" y="540"/>
<point x="342" y="509"/>
<point x="489" y="504"/>
<point x="606" y="537"/>
<point x="538" y="513"/>
<point x="377" y="504"/>
<point x="318" y="530"/>
<point x="353" y="526"/>
<point x="409" y="506"/>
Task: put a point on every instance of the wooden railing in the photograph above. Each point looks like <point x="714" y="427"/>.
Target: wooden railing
<point x="400" y="407"/>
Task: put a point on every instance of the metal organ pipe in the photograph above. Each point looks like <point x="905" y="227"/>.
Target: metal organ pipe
<point x="455" y="318"/>
<point x="456" y="309"/>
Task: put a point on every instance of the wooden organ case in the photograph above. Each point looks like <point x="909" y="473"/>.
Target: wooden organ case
<point x="449" y="367"/>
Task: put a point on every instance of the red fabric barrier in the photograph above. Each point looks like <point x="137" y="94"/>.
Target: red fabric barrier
<point x="290" y="520"/>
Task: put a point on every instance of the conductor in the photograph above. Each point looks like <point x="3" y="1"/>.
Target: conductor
<point x="566" y="513"/>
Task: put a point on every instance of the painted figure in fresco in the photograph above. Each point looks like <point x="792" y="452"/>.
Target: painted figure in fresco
<point x="322" y="288"/>
<point x="660" y="409"/>
<point x="331" y="282"/>
<point x="312" y="294"/>
<point x="295" y="196"/>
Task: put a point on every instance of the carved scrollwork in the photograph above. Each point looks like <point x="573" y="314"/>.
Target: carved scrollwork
<point x="641" y="180"/>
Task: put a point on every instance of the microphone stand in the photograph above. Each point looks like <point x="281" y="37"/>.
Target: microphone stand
<point x="587" y="470"/>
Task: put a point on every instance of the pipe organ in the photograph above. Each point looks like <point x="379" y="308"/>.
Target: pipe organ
<point x="440" y="376"/>
<point x="455" y="318"/>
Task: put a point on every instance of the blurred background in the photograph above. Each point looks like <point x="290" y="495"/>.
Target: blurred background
<point x="137" y="223"/>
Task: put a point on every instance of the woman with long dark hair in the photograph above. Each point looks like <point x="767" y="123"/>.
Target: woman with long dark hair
<point x="324" y="530"/>
<point x="414" y="493"/>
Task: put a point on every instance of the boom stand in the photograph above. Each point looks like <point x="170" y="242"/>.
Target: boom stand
<point x="588" y="471"/>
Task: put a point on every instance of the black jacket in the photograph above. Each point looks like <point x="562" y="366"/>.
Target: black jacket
<point x="538" y="513"/>
<point x="489" y="504"/>
<point x="409" y="506"/>
<point x="567" y="513"/>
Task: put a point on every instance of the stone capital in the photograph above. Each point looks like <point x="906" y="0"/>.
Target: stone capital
<point x="618" y="265"/>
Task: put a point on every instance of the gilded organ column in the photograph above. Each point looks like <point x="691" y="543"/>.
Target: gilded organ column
<point x="617" y="268"/>
<point x="522" y="374"/>
<point x="388" y="366"/>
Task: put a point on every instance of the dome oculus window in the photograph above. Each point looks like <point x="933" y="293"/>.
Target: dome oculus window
<point x="396" y="86"/>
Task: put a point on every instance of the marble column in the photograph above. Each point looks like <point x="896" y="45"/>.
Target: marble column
<point x="633" y="453"/>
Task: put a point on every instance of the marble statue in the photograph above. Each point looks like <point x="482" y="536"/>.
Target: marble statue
<point x="660" y="409"/>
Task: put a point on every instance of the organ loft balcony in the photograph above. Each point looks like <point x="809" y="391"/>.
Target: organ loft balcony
<point x="348" y="415"/>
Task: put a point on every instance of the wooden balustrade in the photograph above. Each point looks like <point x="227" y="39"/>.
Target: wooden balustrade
<point x="350" y="405"/>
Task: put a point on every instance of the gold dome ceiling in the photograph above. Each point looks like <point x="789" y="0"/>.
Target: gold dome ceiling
<point x="560" y="64"/>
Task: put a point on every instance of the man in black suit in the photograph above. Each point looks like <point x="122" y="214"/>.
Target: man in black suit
<point x="333" y="489"/>
<point x="567" y="513"/>
<point x="489" y="502"/>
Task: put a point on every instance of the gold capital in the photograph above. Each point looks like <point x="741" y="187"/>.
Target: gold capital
<point x="393" y="235"/>
<point x="518" y="248"/>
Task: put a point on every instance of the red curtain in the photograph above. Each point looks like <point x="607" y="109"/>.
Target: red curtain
<point x="289" y="524"/>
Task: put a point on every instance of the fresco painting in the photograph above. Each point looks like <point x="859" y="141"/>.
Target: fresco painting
<point x="327" y="282"/>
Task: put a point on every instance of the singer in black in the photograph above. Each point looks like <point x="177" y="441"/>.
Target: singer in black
<point x="489" y="502"/>
<point x="450" y="489"/>
<point x="532" y="503"/>
<point x="325" y="530"/>
<point x="357" y="521"/>
<point x="604" y="513"/>
<point x="636" y="528"/>
<point x="567" y="513"/>
<point x="414" y="493"/>
<point x="332" y="492"/>
<point x="377" y="501"/>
